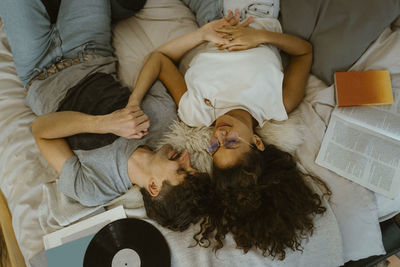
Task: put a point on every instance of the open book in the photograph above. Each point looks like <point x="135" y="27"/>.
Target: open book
<point x="363" y="144"/>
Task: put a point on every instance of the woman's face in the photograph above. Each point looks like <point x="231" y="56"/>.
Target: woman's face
<point x="227" y="130"/>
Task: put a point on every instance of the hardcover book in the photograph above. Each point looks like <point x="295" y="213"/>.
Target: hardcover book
<point x="356" y="88"/>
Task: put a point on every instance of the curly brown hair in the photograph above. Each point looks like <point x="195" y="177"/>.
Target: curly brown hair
<point x="264" y="202"/>
<point x="179" y="206"/>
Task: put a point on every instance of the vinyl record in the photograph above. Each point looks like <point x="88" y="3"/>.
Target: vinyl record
<point x="128" y="243"/>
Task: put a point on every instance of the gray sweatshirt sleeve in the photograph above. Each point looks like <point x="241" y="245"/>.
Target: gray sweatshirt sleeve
<point x="81" y="183"/>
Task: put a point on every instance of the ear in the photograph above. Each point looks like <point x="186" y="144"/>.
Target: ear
<point x="153" y="188"/>
<point x="258" y="142"/>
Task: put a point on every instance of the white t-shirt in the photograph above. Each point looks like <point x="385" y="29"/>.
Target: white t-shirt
<point x="220" y="81"/>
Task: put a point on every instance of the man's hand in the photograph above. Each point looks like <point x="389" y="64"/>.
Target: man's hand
<point x="129" y="122"/>
<point x="210" y="30"/>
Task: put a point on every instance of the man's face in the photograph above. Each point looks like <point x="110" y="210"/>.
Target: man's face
<point x="170" y="165"/>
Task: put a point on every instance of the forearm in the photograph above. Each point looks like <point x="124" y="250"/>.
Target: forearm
<point x="158" y="66"/>
<point x="147" y="76"/>
<point x="295" y="79"/>
<point x="55" y="151"/>
<point x="66" y="123"/>
<point x="49" y="131"/>
<point x="174" y="50"/>
<point x="177" y="48"/>
<point x="296" y="73"/>
<point x="290" y="44"/>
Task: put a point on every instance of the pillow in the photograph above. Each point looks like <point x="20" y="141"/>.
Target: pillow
<point x="205" y="10"/>
<point x="158" y="22"/>
<point x="340" y="30"/>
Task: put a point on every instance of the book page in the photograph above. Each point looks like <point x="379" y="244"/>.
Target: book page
<point x="384" y="119"/>
<point x="83" y="228"/>
<point x="361" y="155"/>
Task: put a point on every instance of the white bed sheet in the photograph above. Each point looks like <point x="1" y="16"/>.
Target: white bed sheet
<point x="23" y="172"/>
<point x="357" y="209"/>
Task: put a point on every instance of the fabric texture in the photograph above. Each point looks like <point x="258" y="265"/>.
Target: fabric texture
<point x="205" y="10"/>
<point x="44" y="96"/>
<point x="257" y="9"/>
<point x="123" y="9"/>
<point x="339" y="30"/>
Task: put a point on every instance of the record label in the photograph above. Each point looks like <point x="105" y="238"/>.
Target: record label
<point x="126" y="258"/>
<point x="128" y="243"/>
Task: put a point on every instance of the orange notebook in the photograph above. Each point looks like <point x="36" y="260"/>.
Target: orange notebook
<point x="357" y="88"/>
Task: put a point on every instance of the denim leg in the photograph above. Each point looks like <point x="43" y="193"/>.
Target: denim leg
<point x="85" y="26"/>
<point x="206" y="10"/>
<point x="30" y="35"/>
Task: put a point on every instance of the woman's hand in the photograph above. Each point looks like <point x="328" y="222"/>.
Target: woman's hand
<point x="242" y="38"/>
<point x="129" y="122"/>
<point x="211" y="33"/>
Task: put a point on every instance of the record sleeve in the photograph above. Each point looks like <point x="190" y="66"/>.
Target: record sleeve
<point x="128" y="243"/>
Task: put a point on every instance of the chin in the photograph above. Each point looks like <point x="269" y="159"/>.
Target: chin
<point x="166" y="147"/>
<point x="164" y="150"/>
<point x="225" y="162"/>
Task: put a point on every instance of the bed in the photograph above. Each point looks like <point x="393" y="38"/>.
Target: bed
<point x="349" y="230"/>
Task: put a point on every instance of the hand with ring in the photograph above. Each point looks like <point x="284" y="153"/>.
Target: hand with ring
<point x="209" y="31"/>
<point x="233" y="21"/>
<point x="242" y="38"/>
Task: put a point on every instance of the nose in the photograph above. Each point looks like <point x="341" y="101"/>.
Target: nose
<point x="185" y="163"/>
<point x="222" y="132"/>
<point x="221" y="135"/>
<point x="184" y="160"/>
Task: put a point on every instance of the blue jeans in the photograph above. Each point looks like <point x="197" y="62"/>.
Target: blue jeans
<point x="83" y="26"/>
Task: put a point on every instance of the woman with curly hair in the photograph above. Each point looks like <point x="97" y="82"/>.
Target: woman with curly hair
<point x="265" y="202"/>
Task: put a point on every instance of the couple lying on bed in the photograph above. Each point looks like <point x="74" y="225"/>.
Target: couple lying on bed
<point x="101" y="138"/>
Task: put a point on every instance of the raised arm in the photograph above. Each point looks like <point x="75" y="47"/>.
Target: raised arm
<point x="158" y="66"/>
<point x="300" y="51"/>
<point x="160" y="63"/>
<point x="296" y="73"/>
<point x="177" y="48"/>
<point x="49" y="130"/>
